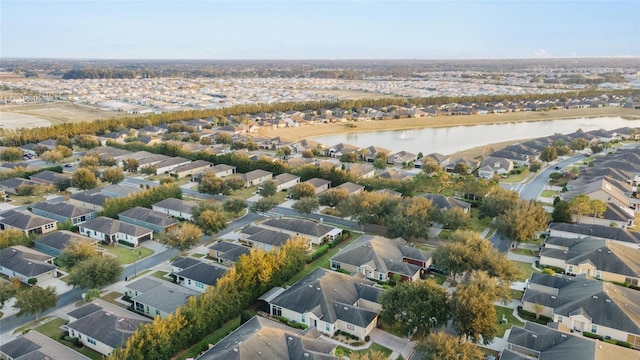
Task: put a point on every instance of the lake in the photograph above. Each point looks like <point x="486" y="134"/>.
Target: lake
<point x="448" y="140"/>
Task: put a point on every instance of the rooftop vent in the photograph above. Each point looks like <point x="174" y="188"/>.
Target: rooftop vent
<point x="289" y="338"/>
<point x="268" y="344"/>
<point x="608" y="300"/>
<point x="534" y="336"/>
<point x="346" y="308"/>
<point x="553" y="296"/>
<point x="564" y="335"/>
<point x="235" y="349"/>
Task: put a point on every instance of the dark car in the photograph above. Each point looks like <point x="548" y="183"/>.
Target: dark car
<point x="68" y="165"/>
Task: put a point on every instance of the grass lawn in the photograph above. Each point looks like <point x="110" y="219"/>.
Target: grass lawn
<point x="24" y="200"/>
<point x="524" y="252"/>
<point x="374" y="347"/>
<point x="322" y="261"/>
<point x="548" y="193"/>
<point x="246" y="192"/>
<point x="160" y="275"/>
<point x="52" y="330"/>
<point x="477" y="224"/>
<point x="112" y="296"/>
<point x="212" y="338"/>
<point x="198" y="256"/>
<point x="516" y="178"/>
<point x="511" y="320"/>
<point x="127" y="255"/>
<point x="525" y="270"/>
<point x="440" y="279"/>
<point x="394" y="328"/>
<point x="445" y="234"/>
<point x="516" y="294"/>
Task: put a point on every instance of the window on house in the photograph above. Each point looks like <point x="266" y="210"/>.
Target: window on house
<point x="303" y="319"/>
<point x="199" y="285"/>
<point x="594" y="329"/>
<point x="350" y="327"/>
<point x="570" y="268"/>
<point x="91" y="341"/>
<point x="560" y="319"/>
<point x="380" y="276"/>
<point x="189" y="282"/>
<point x="157" y="312"/>
<point x="327" y="327"/>
<point x="598" y="275"/>
<point x="276" y="310"/>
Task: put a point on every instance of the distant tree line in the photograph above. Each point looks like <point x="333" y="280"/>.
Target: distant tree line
<point x="99" y="127"/>
<point x="99" y="74"/>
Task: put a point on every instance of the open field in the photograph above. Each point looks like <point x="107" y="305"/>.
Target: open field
<point x="53" y="113"/>
<point x="295" y="134"/>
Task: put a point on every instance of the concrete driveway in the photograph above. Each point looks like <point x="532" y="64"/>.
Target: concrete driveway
<point x="60" y="286"/>
<point x="398" y="345"/>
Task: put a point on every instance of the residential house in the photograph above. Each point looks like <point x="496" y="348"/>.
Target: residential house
<point x="227" y="253"/>
<point x="491" y="166"/>
<point x="581" y="231"/>
<point x="444" y="202"/>
<point x="402" y="158"/>
<point x="34" y="346"/>
<point x="469" y="164"/>
<point x="340" y="149"/>
<point x="600" y="189"/>
<point x="602" y="259"/>
<point x="167" y="165"/>
<point x="381" y="259"/>
<point x="199" y="276"/>
<point x="95" y="198"/>
<point x="25" y="264"/>
<point x="370" y="153"/>
<point x="317" y="233"/>
<point x="154" y="297"/>
<point x="264" y="239"/>
<point x="54" y="243"/>
<point x="147" y="218"/>
<point x="63" y="212"/>
<point x="181" y="209"/>
<point x="352" y="188"/>
<point x="256" y="177"/>
<point x="282" y="342"/>
<point x="517" y="158"/>
<point x="328" y="301"/>
<point x="286" y="181"/>
<point x="395" y="174"/>
<point x="189" y="169"/>
<point x="48" y="177"/>
<point x="11" y="186"/>
<point x="113" y="231"/>
<point x="306" y="144"/>
<point x="321" y="185"/>
<point x="586" y="305"/>
<point x="26" y="222"/>
<point x="361" y="171"/>
<point x="548" y="343"/>
<point x="613" y="216"/>
<point x="102" y="326"/>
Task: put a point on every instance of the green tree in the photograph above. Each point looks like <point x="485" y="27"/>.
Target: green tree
<point x="75" y="252"/>
<point x="234" y="205"/>
<point x="473" y="313"/>
<point x="210" y="183"/>
<point x="286" y="150"/>
<point x="11" y="154"/>
<point x="562" y="212"/>
<point x="412" y="219"/>
<point x="523" y="221"/>
<point x="461" y="168"/>
<point x="89" y="161"/>
<point x="349" y="157"/>
<point x="91" y="294"/>
<point x="442" y="346"/>
<point x="598" y="207"/>
<point x="149" y="170"/>
<point x="35" y="300"/>
<point x="63" y="140"/>
<point x="454" y="218"/>
<point x="185" y="236"/>
<point x="431" y="166"/>
<point x="210" y="220"/>
<point x="269" y="188"/>
<point x="548" y="154"/>
<point x="131" y="165"/>
<point x="535" y="166"/>
<point x="223" y="138"/>
<point x="113" y="175"/>
<point x="379" y="164"/>
<point x="65" y="151"/>
<point x="580" y="205"/>
<point x="263" y="205"/>
<point x="11" y="237"/>
<point x="84" y="179"/>
<point x="87" y="141"/>
<point x="333" y="197"/>
<point x="233" y="183"/>
<point x="416" y="307"/>
<point x="52" y="156"/>
<point x="578" y="144"/>
<point x="498" y="203"/>
<point x="95" y="272"/>
<point x="8" y="290"/>
<point x="308" y="154"/>
<point x="306" y="205"/>
<point x="303" y="189"/>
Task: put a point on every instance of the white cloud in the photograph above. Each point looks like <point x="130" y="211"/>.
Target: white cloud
<point x="541" y="53"/>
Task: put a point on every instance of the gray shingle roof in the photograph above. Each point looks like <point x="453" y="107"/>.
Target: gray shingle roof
<point x="552" y="344"/>
<point x="107" y="327"/>
<point x="230" y="251"/>
<point x="91" y="196"/>
<point x="179" y="205"/>
<point x="110" y="226"/>
<point x="60" y="239"/>
<point x="322" y="291"/>
<point x="149" y="216"/>
<point x="446" y="202"/>
<point x="270" y="237"/>
<point x="598" y="231"/>
<point x="162" y="295"/>
<point x="62" y="208"/>
<point x="184" y="262"/>
<point x="25" y="261"/>
<point x="192" y="165"/>
<point x="267" y="339"/>
<point x="35" y="346"/>
<point x="255" y="174"/>
<point x="606" y="304"/>
<point x="204" y="273"/>
<point x="23" y="220"/>
<point x="305" y="227"/>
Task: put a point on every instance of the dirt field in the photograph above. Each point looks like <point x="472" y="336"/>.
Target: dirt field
<point x="56" y="112"/>
<point x="13" y="121"/>
<point x="295" y="134"/>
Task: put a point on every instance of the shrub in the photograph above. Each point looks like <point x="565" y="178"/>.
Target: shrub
<point x="532" y="317"/>
<point x="32" y="281"/>
<point x="321" y="251"/>
<point x="126" y="243"/>
<point x="367" y="338"/>
<point x="592" y="335"/>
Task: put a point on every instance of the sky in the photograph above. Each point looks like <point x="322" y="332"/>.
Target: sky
<point x="348" y="29"/>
